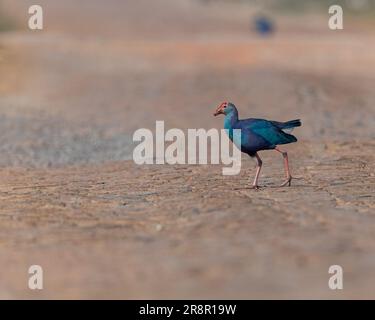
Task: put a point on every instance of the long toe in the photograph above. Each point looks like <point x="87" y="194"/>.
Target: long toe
<point x="287" y="182"/>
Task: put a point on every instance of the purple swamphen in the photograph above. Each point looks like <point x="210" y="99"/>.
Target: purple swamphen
<point x="257" y="135"/>
<point x="263" y="25"/>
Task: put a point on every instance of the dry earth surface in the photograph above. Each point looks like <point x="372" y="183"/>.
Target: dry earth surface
<point x="73" y="202"/>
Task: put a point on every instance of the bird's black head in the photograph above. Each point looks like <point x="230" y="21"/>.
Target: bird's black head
<point x="225" y="108"/>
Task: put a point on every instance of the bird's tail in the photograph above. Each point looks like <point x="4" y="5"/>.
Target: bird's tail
<point x="291" y="124"/>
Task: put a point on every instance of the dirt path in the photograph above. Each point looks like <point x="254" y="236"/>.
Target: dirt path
<point x="188" y="232"/>
<point x="102" y="227"/>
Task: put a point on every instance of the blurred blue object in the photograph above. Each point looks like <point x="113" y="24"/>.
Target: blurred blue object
<point x="263" y="25"/>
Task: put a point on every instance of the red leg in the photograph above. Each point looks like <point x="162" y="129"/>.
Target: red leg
<point x="286" y="166"/>
<point x="259" y="166"/>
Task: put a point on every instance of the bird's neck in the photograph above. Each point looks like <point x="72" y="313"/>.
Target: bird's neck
<point x="230" y="119"/>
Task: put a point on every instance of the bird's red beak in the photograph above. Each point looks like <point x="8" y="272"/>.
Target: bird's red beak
<point x="219" y="109"/>
<point x="217" y="112"/>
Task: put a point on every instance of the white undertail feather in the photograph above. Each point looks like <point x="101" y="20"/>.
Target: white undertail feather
<point x="288" y="130"/>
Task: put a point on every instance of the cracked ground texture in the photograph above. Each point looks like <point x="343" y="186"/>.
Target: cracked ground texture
<point x="73" y="201"/>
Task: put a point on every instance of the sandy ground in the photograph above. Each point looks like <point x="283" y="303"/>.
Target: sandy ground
<point x="73" y="202"/>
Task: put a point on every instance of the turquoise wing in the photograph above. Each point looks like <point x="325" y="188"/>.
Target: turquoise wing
<point x="270" y="132"/>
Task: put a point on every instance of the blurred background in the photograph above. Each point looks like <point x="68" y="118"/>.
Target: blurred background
<point x="101" y="69"/>
<point x="72" y="95"/>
